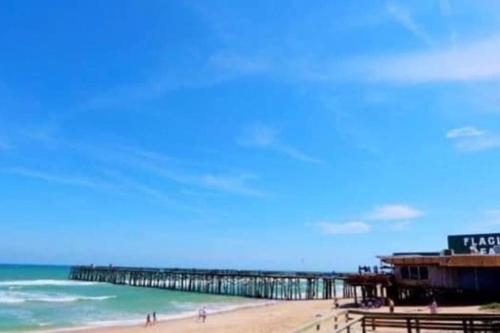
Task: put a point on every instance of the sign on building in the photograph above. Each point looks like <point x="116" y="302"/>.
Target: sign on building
<point x="479" y="243"/>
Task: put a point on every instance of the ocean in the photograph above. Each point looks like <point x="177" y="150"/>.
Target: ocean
<point x="41" y="298"/>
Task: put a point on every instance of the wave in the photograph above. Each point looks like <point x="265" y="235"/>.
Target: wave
<point x="23" y="297"/>
<point x="211" y="310"/>
<point x="27" y="283"/>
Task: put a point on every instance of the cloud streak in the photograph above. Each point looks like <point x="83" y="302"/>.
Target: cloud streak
<point x="464" y="132"/>
<point x="401" y="215"/>
<point x="405" y="19"/>
<point x="60" y="179"/>
<point x="351" y="227"/>
<point x="473" y="61"/>
<point x="471" y="139"/>
<point x="231" y="183"/>
<point x="264" y="137"/>
<point x="394" y="212"/>
<point x="177" y="171"/>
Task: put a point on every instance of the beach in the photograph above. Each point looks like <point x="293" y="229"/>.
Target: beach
<point x="280" y="317"/>
<point x="272" y="318"/>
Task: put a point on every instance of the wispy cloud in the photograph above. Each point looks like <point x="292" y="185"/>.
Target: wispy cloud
<point x="178" y="171"/>
<point x="406" y="20"/>
<point x="446" y="11"/>
<point x="114" y="182"/>
<point x="393" y="212"/>
<point x="211" y="71"/>
<point x="60" y="179"/>
<point x="471" y="139"/>
<point x="473" y="61"/>
<point x="351" y="227"/>
<point x="232" y="184"/>
<point x="265" y="137"/>
<point x="401" y="215"/>
<point x="463" y="132"/>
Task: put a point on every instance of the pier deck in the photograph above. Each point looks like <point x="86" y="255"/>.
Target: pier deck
<point x="246" y="283"/>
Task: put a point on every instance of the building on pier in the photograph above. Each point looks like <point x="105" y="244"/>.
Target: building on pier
<point x="468" y="270"/>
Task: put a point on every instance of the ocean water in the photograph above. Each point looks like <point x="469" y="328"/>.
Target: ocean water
<point x="41" y="298"/>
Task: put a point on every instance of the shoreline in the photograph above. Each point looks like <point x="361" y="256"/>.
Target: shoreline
<point x="269" y="316"/>
<point x="162" y="318"/>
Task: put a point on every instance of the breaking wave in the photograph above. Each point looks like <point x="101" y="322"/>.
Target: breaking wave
<point x="9" y="297"/>
<point x="27" y="283"/>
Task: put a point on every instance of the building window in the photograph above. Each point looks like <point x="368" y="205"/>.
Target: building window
<point x="405" y="273"/>
<point x="414" y="272"/>
<point x="424" y="273"/>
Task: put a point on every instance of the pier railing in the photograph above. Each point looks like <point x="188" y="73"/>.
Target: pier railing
<point x="247" y="283"/>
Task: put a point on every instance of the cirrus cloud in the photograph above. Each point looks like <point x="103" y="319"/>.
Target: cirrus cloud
<point x="461" y="132"/>
<point x="350" y="227"/>
<point x="394" y="212"/>
<point x="265" y="137"/>
<point x="472" y="139"/>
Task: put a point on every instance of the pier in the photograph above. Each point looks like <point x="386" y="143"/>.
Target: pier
<point x="277" y="285"/>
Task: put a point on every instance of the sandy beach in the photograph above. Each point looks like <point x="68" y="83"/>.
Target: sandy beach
<point x="273" y="318"/>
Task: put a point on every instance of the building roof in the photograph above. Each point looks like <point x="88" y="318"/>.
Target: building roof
<point x="459" y="260"/>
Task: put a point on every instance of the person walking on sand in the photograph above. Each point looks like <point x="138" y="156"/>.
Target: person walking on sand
<point x="391" y="305"/>
<point x="433" y="307"/>
<point x="202" y="315"/>
<point x="154" y="317"/>
<point x="148" y="320"/>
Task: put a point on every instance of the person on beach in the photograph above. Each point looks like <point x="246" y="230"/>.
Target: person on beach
<point x="154" y="318"/>
<point x="148" y="320"/>
<point x="336" y="303"/>
<point x="433" y="307"/>
<point x="391" y="305"/>
<point x="202" y="314"/>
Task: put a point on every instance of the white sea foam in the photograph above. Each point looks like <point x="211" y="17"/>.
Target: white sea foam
<point x="212" y="309"/>
<point x="13" y="297"/>
<point x="28" y="283"/>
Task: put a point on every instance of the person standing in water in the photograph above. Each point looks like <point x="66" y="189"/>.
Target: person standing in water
<point x="148" y="320"/>
<point x="154" y="317"/>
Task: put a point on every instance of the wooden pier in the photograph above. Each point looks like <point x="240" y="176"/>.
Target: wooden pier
<point x="244" y="283"/>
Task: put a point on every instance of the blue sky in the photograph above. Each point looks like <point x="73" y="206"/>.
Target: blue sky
<point x="278" y="135"/>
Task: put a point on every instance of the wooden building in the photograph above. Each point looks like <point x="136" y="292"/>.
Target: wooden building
<point x="468" y="270"/>
<point x="452" y="275"/>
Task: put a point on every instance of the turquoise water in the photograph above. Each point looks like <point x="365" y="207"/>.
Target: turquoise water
<point x="36" y="298"/>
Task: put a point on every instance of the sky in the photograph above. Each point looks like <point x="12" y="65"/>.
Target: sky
<point x="246" y="134"/>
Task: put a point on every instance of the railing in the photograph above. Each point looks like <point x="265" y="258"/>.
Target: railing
<point x="227" y="272"/>
<point x="324" y="324"/>
<point x="362" y="321"/>
<point x="434" y="322"/>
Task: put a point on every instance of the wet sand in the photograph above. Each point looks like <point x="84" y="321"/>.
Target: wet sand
<point x="274" y="318"/>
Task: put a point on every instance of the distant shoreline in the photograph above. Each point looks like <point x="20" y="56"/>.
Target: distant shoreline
<point x="163" y="319"/>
